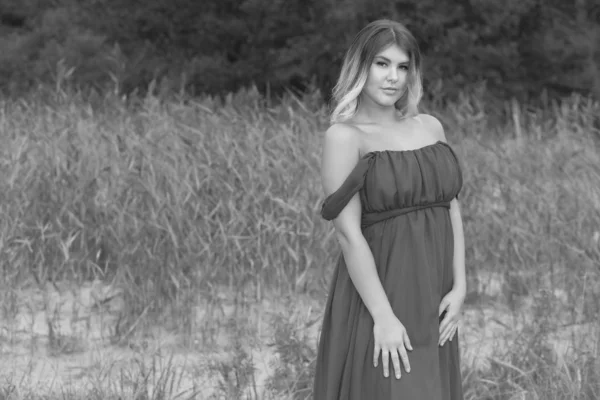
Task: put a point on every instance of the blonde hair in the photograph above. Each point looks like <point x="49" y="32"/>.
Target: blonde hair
<point x="371" y="40"/>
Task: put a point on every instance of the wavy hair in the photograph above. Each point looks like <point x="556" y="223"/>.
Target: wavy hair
<point x="371" y="40"/>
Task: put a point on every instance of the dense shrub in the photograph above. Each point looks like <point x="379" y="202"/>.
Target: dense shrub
<point x="517" y="48"/>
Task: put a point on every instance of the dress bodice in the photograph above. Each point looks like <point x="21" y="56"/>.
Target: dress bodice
<point x="392" y="182"/>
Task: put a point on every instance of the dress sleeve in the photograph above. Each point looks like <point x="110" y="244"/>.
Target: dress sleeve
<point x="333" y="204"/>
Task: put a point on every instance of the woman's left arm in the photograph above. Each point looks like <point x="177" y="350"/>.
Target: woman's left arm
<point x="453" y="300"/>
<point x="460" y="279"/>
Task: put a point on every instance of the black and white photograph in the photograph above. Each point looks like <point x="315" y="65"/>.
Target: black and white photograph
<point x="300" y="200"/>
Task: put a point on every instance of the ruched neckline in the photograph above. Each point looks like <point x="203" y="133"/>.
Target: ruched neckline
<point x="427" y="178"/>
<point x="401" y="151"/>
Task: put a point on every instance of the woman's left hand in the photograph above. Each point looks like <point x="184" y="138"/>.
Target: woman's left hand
<point x="452" y="303"/>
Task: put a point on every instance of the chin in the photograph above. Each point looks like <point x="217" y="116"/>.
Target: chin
<point x="388" y="102"/>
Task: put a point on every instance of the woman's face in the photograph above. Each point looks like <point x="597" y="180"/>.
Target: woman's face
<point x="386" y="81"/>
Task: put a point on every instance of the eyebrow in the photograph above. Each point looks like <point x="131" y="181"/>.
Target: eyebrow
<point x="388" y="60"/>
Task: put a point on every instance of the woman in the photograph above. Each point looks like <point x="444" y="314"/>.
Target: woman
<point x="392" y="181"/>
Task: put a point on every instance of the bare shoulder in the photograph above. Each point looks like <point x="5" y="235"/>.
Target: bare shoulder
<point x="342" y="134"/>
<point x="339" y="155"/>
<point x="433" y="125"/>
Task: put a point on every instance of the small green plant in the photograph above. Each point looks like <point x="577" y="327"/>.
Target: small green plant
<point x="295" y="360"/>
<point x="235" y="375"/>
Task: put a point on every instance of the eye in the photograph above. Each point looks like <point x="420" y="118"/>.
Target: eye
<point x="381" y="63"/>
<point x="404" y="67"/>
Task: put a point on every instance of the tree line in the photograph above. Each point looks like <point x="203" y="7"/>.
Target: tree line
<point x="516" y="48"/>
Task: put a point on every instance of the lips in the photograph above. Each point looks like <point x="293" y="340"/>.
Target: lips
<point x="390" y="90"/>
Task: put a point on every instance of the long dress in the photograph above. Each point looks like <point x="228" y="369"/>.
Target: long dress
<point x="405" y="197"/>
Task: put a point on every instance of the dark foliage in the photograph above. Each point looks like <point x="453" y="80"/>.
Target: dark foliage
<point x="519" y="48"/>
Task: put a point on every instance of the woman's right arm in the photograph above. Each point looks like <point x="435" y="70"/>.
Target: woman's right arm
<point x="340" y="155"/>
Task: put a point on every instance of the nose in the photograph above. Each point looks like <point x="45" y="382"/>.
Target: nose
<point x="393" y="75"/>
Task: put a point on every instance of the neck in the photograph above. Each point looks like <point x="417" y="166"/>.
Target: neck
<point x="369" y="111"/>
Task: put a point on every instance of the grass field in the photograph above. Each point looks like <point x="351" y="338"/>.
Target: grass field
<point x="173" y="249"/>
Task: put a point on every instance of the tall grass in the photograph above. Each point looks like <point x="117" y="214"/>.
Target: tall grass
<point x="204" y="213"/>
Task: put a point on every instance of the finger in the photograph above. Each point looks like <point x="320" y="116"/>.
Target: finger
<point x="447" y="330"/>
<point x="396" y="363"/>
<point x="446" y="333"/>
<point x="454" y="332"/>
<point x="443" y="305"/>
<point x="376" y="354"/>
<point x="407" y="343"/>
<point x="445" y="322"/>
<point x="404" y="357"/>
<point x="385" y="360"/>
<point x="449" y="318"/>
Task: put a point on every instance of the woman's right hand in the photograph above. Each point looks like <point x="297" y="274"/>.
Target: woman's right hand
<point x="391" y="339"/>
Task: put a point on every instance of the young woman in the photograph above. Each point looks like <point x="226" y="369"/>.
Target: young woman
<point x="392" y="181"/>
